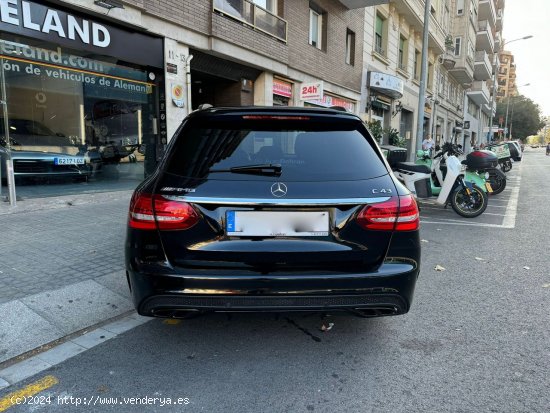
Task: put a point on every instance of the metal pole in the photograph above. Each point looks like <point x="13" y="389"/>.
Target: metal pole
<point x="490" y="134"/>
<point x="9" y="161"/>
<point x="511" y="120"/>
<point x="506" y="131"/>
<point x="188" y="81"/>
<point x="423" y="77"/>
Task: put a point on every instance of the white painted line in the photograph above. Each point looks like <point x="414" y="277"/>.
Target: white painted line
<point x="43" y="361"/>
<point x="511" y="210"/>
<point x="476" y="224"/>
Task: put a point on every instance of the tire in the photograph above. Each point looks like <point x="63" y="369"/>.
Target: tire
<point x="469" y="206"/>
<point x="506" y="165"/>
<point x="497" y="179"/>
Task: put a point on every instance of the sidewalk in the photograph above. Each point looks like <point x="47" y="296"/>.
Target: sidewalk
<point x="61" y="267"/>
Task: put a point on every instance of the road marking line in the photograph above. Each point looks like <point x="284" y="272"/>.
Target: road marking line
<point x="476" y="224"/>
<point x="511" y="210"/>
<point x="28" y="391"/>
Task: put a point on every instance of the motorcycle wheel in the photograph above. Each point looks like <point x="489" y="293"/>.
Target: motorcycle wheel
<point x="469" y="205"/>
<point x="497" y="179"/>
<point x="506" y="165"/>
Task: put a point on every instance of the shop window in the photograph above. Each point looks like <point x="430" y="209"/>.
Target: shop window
<point x="350" y="47"/>
<point x="74" y="116"/>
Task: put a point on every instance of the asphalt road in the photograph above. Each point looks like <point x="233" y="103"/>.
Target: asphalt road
<point x="476" y="339"/>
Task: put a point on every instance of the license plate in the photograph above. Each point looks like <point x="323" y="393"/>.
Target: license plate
<point x="69" y="161"/>
<point x="277" y="223"/>
<point x="489" y="187"/>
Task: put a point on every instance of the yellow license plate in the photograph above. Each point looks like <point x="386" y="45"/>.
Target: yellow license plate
<point x="489" y="187"/>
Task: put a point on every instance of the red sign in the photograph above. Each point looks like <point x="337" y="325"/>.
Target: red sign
<point x="309" y="91"/>
<point x="329" y="100"/>
<point x="282" y="88"/>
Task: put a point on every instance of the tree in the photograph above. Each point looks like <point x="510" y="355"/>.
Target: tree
<point x="523" y="114"/>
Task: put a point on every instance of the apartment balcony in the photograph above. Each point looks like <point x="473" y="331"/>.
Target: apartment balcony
<point x="254" y="16"/>
<point x="357" y="4"/>
<point x="479" y="93"/>
<point x="487" y="11"/>
<point x="482" y="66"/>
<point x="462" y="71"/>
<point x="484" y="37"/>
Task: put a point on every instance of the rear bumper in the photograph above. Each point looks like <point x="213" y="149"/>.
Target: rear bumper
<point x="387" y="291"/>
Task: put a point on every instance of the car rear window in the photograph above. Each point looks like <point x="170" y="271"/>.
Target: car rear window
<point x="306" y="150"/>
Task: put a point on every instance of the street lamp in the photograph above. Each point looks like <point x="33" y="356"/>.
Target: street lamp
<point x="507" y="106"/>
<point x="495" y="81"/>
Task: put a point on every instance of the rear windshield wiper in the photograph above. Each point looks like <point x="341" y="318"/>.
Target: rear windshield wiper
<point x="262" y="169"/>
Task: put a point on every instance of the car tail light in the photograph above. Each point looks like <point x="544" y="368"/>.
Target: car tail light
<point x="150" y="212"/>
<point x="397" y="213"/>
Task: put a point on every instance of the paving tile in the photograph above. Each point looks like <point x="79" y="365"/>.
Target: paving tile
<point x="79" y="305"/>
<point x="93" y="338"/>
<point x="22" y="329"/>
<point x="61" y="353"/>
<point x="23" y="370"/>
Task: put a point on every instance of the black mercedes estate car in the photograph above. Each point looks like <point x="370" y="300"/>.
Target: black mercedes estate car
<point x="272" y="209"/>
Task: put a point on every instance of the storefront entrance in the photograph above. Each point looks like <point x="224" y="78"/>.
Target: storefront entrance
<point x="76" y="120"/>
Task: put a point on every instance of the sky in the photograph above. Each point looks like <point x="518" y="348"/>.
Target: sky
<point x="532" y="56"/>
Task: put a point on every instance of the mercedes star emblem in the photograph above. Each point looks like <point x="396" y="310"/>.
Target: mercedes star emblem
<point x="279" y="189"/>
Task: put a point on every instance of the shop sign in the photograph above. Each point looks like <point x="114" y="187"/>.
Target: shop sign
<point x="39" y="21"/>
<point x="65" y="25"/>
<point x="391" y="86"/>
<point x="282" y="88"/>
<point x="311" y="91"/>
<point x="328" y="101"/>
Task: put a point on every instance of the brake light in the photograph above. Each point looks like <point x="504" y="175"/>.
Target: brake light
<point x="275" y="117"/>
<point x="151" y="212"/>
<point x="397" y="213"/>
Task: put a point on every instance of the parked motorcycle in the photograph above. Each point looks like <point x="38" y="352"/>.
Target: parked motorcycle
<point x="481" y="168"/>
<point x="466" y="198"/>
<point x="475" y="177"/>
<point x="502" y="151"/>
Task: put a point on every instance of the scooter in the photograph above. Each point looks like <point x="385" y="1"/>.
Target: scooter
<point x="466" y="198"/>
<point x="502" y="151"/>
<point x="480" y="179"/>
<point x="481" y="167"/>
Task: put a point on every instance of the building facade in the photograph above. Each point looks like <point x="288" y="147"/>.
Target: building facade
<point x="108" y="82"/>
<point x="392" y="61"/>
<point x="507" y="86"/>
